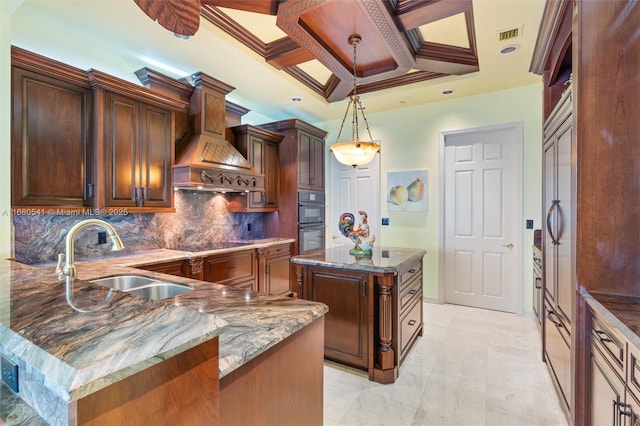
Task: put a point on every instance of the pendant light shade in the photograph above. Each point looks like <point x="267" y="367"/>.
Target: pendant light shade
<point x="354" y="152"/>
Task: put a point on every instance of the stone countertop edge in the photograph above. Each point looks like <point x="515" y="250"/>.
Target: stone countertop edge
<point x="622" y="312"/>
<point x="383" y="259"/>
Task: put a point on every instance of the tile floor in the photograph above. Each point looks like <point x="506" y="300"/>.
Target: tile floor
<point x="471" y="367"/>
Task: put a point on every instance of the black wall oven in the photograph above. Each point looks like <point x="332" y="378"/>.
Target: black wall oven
<point x="311" y="222"/>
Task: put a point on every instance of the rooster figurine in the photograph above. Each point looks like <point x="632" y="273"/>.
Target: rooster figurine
<point x="361" y="235"/>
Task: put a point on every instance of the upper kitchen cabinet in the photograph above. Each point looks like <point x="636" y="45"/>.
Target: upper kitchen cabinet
<point x="261" y="148"/>
<point x="135" y="141"/>
<point x="552" y="55"/>
<point x="303" y="149"/>
<point x="51" y="137"/>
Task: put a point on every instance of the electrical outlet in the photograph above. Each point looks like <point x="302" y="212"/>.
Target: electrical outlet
<point x="249" y="227"/>
<point x="385" y="221"/>
<point x="529" y="223"/>
<point x="102" y="237"/>
<point x="10" y="374"/>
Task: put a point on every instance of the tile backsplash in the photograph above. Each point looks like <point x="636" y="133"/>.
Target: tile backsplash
<point x="200" y="219"/>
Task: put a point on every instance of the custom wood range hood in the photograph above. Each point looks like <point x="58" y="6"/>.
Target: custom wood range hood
<point x="207" y="161"/>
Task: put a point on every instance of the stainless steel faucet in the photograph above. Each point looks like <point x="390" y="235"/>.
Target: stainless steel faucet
<point x="69" y="268"/>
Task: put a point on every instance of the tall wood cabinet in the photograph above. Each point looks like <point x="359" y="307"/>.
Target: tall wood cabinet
<point x="552" y="59"/>
<point x="51" y="137"/>
<point x="301" y="155"/>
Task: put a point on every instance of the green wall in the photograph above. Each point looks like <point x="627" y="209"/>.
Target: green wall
<point x="410" y="139"/>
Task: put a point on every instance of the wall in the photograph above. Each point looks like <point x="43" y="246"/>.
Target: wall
<point x="410" y="139"/>
<point x="200" y="220"/>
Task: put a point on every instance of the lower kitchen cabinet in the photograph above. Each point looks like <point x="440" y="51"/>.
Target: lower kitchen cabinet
<point x="614" y="371"/>
<point x="274" y="269"/>
<point x="346" y="323"/>
<point x="237" y="269"/>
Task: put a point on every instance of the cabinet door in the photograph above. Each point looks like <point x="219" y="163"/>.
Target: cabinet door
<point x="607" y="392"/>
<point x="549" y="189"/>
<point x="564" y="222"/>
<point x="278" y="275"/>
<point x="51" y="145"/>
<point x="121" y="153"/>
<point x="155" y="156"/>
<point x="345" y="326"/>
<point x="310" y="161"/>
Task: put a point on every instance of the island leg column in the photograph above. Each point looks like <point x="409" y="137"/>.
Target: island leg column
<point x="385" y="369"/>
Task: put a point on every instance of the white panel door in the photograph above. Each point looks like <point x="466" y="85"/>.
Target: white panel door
<point x="480" y="218"/>
<point x="353" y="189"/>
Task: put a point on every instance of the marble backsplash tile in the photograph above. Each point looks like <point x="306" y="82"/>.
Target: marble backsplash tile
<point x="200" y="219"/>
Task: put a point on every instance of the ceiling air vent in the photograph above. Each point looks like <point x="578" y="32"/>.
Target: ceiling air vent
<point x="509" y="34"/>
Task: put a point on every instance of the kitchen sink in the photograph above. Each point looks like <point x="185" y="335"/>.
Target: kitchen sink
<point x="143" y="286"/>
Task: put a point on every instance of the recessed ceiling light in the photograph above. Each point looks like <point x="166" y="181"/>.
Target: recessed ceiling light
<point x="447" y="91"/>
<point x="182" y="37"/>
<point x="507" y="50"/>
<point x="296" y="99"/>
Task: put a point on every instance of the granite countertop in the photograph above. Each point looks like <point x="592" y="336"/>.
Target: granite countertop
<point x="82" y="337"/>
<point x="623" y="312"/>
<point x="383" y="259"/>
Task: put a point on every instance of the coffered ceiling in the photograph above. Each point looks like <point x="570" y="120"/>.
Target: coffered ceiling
<point x="292" y="58"/>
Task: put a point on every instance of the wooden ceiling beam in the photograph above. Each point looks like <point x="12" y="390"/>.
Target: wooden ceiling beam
<point x="285" y="53"/>
<point x="445" y="59"/>
<point x="414" y="13"/>
<point x="266" y="7"/>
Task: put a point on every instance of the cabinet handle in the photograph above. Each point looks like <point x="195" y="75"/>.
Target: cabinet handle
<point x="538" y="284"/>
<point x="604" y="339"/>
<point x="364" y="288"/>
<point x="623" y="409"/>
<point x="412" y="292"/>
<point x="232" y="268"/>
<point x="89" y="190"/>
<point x="412" y="322"/>
<point x="412" y="271"/>
<point x="554" y="240"/>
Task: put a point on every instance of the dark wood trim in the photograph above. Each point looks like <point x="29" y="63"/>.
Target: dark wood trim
<point x="27" y="60"/>
<point x="414" y="13"/>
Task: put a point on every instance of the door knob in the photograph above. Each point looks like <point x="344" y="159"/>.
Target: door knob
<point x="509" y="246"/>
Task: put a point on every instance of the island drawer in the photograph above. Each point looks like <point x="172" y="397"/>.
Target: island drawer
<point x="411" y="272"/>
<point x="409" y="291"/>
<point x="410" y="326"/>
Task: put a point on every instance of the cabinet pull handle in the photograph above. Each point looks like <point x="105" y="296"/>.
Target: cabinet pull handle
<point x="89" y="190"/>
<point x="554" y="240"/>
<point x="623" y="409"/>
<point x="412" y="271"/>
<point x="538" y="283"/>
<point x="232" y="268"/>
<point x="364" y="288"/>
<point x="412" y="292"/>
<point x="412" y="322"/>
<point x="603" y="336"/>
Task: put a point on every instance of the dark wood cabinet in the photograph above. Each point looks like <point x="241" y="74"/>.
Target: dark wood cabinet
<point x="346" y="323"/>
<point x="274" y="269"/>
<point x="51" y="138"/>
<point x="301" y="154"/>
<point x="135" y="142"/>
<point x="311" y="161"/>
<point x="138" y="153"/>
<point x="261" y="148"/>
<point x="238" y="269"/>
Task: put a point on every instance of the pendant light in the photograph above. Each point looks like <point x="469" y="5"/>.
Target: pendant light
<point x="354" y="152"/>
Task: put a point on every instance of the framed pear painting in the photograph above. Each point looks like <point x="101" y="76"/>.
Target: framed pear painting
<point x="408" y="191"/>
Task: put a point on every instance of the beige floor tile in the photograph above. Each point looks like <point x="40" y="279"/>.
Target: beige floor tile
<point x="472" y="367"/>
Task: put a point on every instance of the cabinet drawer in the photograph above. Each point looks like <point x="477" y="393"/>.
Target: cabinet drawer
<point x="175" y="267"/>
<point x="633" y="380"/>
<point x="280" y="250"/>
<point x="225" y="268"/>
<point x="609" y="343"/>
<point x="409" y="291"/>
<point x="408" y="274"/>
<point x="410" y="326"/>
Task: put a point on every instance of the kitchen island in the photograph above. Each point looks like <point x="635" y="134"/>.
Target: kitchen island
<point x="375" y="305"/>
<point x="74" y="341"/>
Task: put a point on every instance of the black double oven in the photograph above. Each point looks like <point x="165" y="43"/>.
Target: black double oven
<point x="311" y="224"/>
